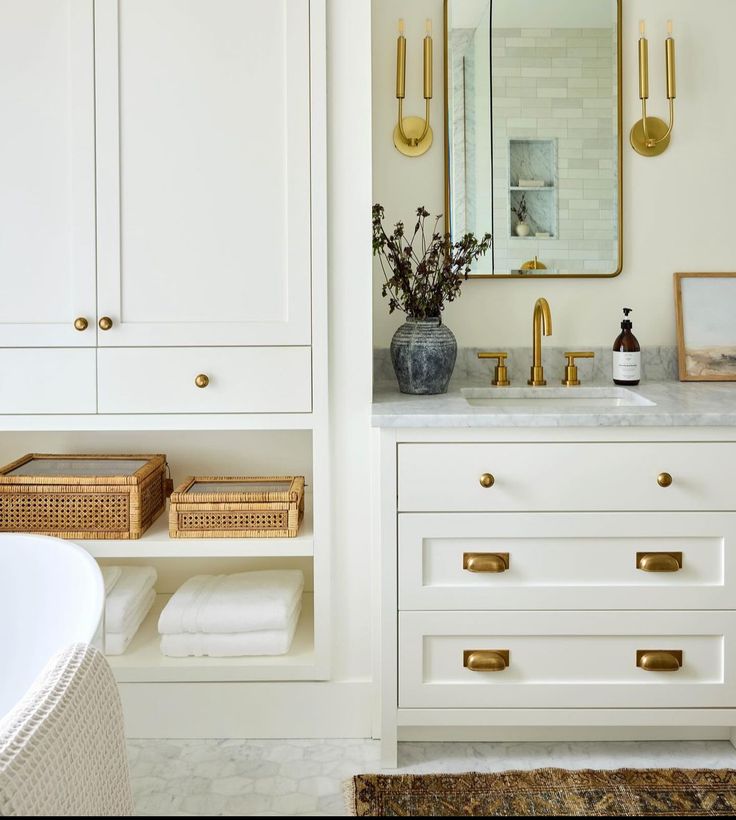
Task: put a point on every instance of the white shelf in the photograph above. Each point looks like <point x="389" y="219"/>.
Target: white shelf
<point x="144" y="663"/>
<point x="532" y="188"/>
<point x="156" y="543"/>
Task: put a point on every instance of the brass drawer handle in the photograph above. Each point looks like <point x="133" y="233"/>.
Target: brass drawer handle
<point x="80" y="323"/>
<point x="486" y="561"/>
<point x="659" y="660"/>
<point x="664" y="480"/>
<point x="105" y="323"/>
<point x="486" y="660"/>
<point x="202" y="380"/>
<point x="487" y="480"/>
<point x="659" y="561"/>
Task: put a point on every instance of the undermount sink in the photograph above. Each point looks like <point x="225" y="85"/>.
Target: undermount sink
<point x="553" y="398"/>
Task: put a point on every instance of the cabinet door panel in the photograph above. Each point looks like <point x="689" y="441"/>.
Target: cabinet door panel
<point x="203" y="171"/>
<point x="47" y="251"/>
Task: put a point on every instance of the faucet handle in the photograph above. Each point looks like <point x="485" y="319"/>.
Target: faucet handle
<point x="501" y="373"/>
<point x="571" y="371"/>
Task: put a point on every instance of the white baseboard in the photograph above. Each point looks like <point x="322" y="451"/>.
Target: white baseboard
<point x="552" y="734"/>
<point x="247" y="710"/>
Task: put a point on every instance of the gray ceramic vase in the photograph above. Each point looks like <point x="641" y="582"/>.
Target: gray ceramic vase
<point x="423" y="353"/>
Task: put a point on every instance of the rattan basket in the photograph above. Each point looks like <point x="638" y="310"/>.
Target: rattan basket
<point x="237" y="507"/>
<point x="83" y="496"/>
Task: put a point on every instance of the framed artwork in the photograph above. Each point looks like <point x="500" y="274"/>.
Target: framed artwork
<point x="705" y="304"/>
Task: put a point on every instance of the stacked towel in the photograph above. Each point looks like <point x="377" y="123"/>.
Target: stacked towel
<point x="249" y="613"/>
<point x="129" y="600"/>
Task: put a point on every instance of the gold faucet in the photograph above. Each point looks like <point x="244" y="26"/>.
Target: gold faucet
<point x="541" y="323"/>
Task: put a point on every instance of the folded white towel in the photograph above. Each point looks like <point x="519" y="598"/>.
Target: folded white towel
<point x="132" y="586"/>
<point x="244" y="602"/>
<point x="117" y="642"/>
<point x="232" y="644"/>
<point x="110" y="577"/>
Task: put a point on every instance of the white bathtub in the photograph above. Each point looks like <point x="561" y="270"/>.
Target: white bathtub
<point x="51" y="595"/>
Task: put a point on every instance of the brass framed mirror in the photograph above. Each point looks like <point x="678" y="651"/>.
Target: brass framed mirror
<point x="533" y="136"/>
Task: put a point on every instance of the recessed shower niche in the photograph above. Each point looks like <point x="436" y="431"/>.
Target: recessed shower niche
<point x="533" y="187"/>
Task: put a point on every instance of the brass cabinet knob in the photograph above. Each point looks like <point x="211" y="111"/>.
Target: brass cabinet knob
<point x="659" y="561"/>
<point x="486" y="660"/>
<point x="202" y="380"/>
<point x="486" y="561"/>
<point x="659" y="660"/>
<point x="105" y="323"/>
<point x="487" y="480"/>
<point x="501" y="372"/>
<point x="664" y="480"/>
<point x="80" y="323"/>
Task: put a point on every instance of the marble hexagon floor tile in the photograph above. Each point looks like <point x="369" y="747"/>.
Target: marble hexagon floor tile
<point x="305" y="777"/>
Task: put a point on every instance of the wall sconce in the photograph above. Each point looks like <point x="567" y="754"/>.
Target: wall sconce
<point x="650" y="137"/>
<point x="413" y="135"/>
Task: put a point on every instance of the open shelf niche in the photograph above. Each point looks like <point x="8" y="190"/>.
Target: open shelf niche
<point x="533" y="177"/>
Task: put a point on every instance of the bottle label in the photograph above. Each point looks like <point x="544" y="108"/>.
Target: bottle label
<point x="626" y="366"/>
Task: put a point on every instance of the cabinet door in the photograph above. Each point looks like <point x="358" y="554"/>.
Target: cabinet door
<point x="47" y="233"/>
<point x="203" y="148"/>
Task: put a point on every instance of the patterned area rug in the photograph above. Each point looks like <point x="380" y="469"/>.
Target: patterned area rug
<point x="547" y="793"/>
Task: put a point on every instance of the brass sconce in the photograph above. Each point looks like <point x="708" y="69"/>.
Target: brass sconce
<point x="413" y="135"/>
<point x="650" y="137"/>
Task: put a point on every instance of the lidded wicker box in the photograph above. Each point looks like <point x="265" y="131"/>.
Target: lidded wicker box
<point x="83" y="496"/>
<point x="237" y="507"/>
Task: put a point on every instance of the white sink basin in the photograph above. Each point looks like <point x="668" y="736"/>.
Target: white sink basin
<point x="553" y="398"/>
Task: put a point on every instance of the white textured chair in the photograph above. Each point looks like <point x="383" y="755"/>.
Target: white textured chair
<point x="62" y="748"/>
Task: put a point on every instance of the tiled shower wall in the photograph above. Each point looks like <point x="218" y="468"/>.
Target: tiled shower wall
<point x="553" y="84"/>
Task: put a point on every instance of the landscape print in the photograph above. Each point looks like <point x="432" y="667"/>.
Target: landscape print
<point x="707" y="326"/>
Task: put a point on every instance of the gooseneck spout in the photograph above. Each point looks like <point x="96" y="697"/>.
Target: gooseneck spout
<point x="541" y="323"/>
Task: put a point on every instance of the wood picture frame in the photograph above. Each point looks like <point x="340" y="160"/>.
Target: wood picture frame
<point x="706" y="326"/>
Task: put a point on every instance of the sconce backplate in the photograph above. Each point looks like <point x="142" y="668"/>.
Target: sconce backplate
<point x="413" y="128"/>
<point x="656" y="129"/>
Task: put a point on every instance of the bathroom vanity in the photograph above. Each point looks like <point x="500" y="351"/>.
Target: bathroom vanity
<point x="555" y="557"/>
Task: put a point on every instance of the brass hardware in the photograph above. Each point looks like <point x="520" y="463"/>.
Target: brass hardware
<point x="501" y="373"/>
<point x="487" y="480"/>
<point x="491" y="562"/>
<point x="413" y="136"/>
<point x="651" y="136"/>
<point x="533" y="264"/>
<point x="202" y="380"/>
<point x="541" y="323"/>
<point x="659" y="660"/>
<point x="659" y="561"/>
<point x="486" y="660"/>
<point x="81" y="323"/>
<point x="664" y="480"/>
<point x="571" y="371"/>
<point x="105" y="323"/>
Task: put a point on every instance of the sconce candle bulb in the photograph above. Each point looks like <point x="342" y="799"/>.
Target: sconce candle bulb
<point x="643" y="67"/>
<point x="413" y="135"/>
<point x="401" y="63"/>
<point x="428" y="62"/>
<point x="669" y="50"/>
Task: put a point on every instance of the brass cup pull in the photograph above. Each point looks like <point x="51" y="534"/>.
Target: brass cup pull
<point x="659" y="660"/>
<point x="105" y="323"/>
<point x="664" y="480"/>
<point x="487" y="480"/>
<point x="202" y="380"/>
<point x="659" y="561"/>
<point x="80" y="323"/>
<point x="486" y="561"/>
<point x="486" y="660"/>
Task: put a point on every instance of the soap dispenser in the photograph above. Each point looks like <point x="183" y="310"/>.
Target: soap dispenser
<point x="626" y="354"/>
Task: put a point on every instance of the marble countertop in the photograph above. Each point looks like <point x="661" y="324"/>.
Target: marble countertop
<point x="671" y="404"/>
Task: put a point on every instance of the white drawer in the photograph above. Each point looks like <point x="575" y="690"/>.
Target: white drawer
<point x="566" y="659"/>
<point x="565" y="476"/>
<point x="48" y="380"/>
<point x="241" y="380"/>
<point x="567" y="561"/>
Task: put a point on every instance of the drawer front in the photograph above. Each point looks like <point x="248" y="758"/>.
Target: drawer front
<point x="564" y="476"/>
<point x="46" y="380"/>
<point x="567" y="561"/>
<point x="566" y="659"/>
<point x="241" y="380"/>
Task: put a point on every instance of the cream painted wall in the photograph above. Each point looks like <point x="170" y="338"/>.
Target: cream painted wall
<point x="678" y="214"/>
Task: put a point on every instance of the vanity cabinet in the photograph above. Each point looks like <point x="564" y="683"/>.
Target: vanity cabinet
<point x="556" y="578"/>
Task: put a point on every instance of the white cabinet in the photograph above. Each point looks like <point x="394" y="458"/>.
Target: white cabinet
<point x="47" y="188"/>
<point x="203" y="171"/>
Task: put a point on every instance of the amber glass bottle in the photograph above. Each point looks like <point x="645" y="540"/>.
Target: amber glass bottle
<point x="626" y="355"/>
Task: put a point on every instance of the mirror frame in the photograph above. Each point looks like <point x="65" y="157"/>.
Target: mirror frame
<point x="620" y="110"/>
